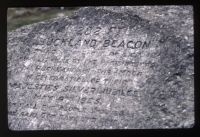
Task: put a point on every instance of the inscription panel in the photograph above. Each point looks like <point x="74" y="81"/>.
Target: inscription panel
<point x="86" y="77"/>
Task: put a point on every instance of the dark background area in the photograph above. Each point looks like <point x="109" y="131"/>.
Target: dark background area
<point x="17" y="17"/>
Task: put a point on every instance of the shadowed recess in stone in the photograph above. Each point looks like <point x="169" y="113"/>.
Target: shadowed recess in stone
<point x="101" y="68"/>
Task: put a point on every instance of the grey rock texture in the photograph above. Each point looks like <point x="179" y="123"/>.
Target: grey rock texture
<point x="103" y="68"/>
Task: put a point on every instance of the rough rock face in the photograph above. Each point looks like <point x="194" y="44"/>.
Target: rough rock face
<point x="103" y="68"/>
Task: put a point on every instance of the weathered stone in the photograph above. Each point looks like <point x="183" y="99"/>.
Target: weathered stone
<point x="102" y="68"/>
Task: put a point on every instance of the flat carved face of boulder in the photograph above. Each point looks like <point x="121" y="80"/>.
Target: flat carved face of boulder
<point x="99" y="69"/>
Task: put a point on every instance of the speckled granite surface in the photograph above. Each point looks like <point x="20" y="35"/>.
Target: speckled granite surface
<point x="103" y="68"/>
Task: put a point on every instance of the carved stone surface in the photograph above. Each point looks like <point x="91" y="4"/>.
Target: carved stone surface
<point x="102" y="69"/>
